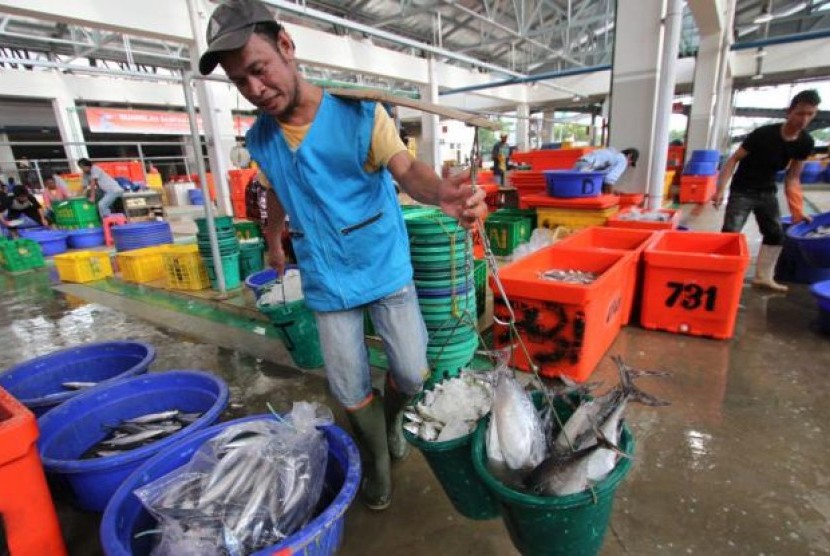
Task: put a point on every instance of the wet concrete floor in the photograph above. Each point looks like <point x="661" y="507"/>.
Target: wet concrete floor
<point x="737" y="464"/>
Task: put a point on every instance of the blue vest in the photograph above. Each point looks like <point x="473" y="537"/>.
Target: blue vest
<point x="346" y="226"/>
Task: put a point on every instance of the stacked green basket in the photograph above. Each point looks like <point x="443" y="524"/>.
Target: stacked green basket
<point x="228" y="250"/>
<point x="442" y="260"/>
<point x="75" y="214"/>
<point x="250" y="256"/>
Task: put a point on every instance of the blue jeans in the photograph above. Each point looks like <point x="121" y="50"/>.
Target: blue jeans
<point x="397" y="319"/>
<point x="106" y="202"/>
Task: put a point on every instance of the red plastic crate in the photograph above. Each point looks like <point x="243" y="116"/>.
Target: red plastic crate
<point x="25" y="504"/>
<point x="240" y="209"/>
<point x="567" y="327"/>
<point x="239" y="179"/>
<point x="554" y="159"/>
<point x="618" y="221"/>
<point x="693" y="282"/>
<point x="589" y="203"/>
<point x="617" y="240"/>
<point x="697" y="189"/>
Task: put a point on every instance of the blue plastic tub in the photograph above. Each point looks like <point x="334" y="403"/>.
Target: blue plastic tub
<point x="569" y="184"/>
<point x="705" y="155"/>
<point x="821" y="291"/>
<point x="37" y="382"/>
<point x="258" y="281"/>
<point x="195" y="197"/>
<point x="791" y="266"/>
<point x="811" y="177"/>
<point x="815" y="251"/>
<point x="125" y="515"/>
<point x="705" y="168"/>
<point x="51" y="242"/>
<point x="74" y="427"/>
<point x="88" y="237"/>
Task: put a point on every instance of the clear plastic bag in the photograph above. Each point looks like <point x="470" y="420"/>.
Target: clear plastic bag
<point x="250" y="486"/>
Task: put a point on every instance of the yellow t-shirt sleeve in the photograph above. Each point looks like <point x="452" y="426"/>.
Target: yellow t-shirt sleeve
<point x="386" y="142"/>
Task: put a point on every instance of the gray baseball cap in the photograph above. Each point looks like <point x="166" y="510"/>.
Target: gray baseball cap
<point x="230" y="27"/>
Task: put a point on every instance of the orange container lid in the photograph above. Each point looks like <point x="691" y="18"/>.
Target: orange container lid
<point x="708" y="251"/>
<point x="521" y="278"/>
<point x="18" y="428"/>
<point x="615" y="239"/>
<point x="600" y="202"/>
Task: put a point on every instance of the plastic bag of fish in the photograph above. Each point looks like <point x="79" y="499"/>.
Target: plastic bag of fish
<point x="528" y="450"/>
<point x="250" y="486"/>
<point x="450" y="410"/>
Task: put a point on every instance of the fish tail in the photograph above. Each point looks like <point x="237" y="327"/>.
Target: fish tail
<point x="634" y="393"/>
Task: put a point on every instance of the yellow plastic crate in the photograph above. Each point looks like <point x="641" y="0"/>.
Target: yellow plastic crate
<point x="183" y="268"/>
<point x="83" y="266"/>
<point x="142" y="265"/>
<point x="667" y="181"/>
<point x="574" y="219"/>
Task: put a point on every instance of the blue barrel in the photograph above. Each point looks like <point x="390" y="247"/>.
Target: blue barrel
<point x="791" y="266"/>
<point x="571" y="184"/>
<point x="815" y="250"/>
<point x="37" y="382"/>
<point x="51" y="242"/>
<point x="141" y="234"/>
<point x="195" y="197"/>
<point x="87" y="237"/>
<point x="125" y="515"/>
<point x="705" y="155"/>
<point x="821" y="291"/>
<point x="69" y="430"/>
<point x="704" y="168"/>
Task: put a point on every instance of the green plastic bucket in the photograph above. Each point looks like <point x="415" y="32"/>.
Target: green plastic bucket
<point x="247" y="230"/>
<point x="219" y="222"/>
<point x="298" y="330"/>
<point x="250" y="259"/>
<point x="572" y="525"/>
<point x="451" y="464"/>
<point x="230" y="268"/>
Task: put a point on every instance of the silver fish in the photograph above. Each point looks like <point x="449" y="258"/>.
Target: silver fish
<point x="132" y="440"/>
<point x="520" y="431"/>
<point x="78" y="385"/>
<point x="108" y="453"/>
<point x="153" y="417"/>
<point x="569" y="276"/>
<point x="565" y="473"/>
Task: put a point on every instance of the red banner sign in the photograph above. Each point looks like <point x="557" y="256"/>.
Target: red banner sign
<point x="156" y="122"/>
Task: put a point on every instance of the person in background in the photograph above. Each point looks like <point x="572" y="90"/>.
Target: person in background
<point x="53" y="193"/>
<point x="610" y="161"/>
<point x="334" y="180"/>
<point x="94" y="179"/>
<point x="501" y="159"/>
<point x="764" y="152"/>
<point x="22" y="203"/>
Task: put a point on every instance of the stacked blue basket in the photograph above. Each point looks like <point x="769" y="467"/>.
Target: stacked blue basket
<point x="51" y="242"/>
<point x="141" y="234"/>
<point x="704" y="162"/>
<point x="85" y="238"/>
<point x="812" y="172"/>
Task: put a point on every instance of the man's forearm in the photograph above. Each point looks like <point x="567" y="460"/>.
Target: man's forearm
<point x="726" y="174"/>
<point x="421" y="183"/>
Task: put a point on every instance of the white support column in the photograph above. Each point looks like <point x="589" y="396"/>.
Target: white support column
<point x="69" y="126"/>
<point x="215" y="101"/>
<point x="724" y="116"/>
<point x="702" y="116"/>
<point x="430" y="150"/>
<point x="523" y="127"/>
<point x="547" y="126"/>
<point x="7" y="166"/>
<point x="634" y="81"/>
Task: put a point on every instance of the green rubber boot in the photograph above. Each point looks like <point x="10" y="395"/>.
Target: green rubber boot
<point x="369" y="426"/>
<point x="393" y="405"/>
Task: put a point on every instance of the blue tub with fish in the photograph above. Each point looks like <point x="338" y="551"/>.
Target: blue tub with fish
<point x="813" y="239"/>
<point x="821" y="291"/>
<point x="70" y="431"/>
<point x="258" y="282"/>
<point x="125" y="515"/>
<point x="568" y="184"/>
<point x="49" y="380"/>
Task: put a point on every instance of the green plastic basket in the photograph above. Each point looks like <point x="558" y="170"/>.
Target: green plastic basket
<point x="76" y="212"/>
<point x="19" y="255"/>
<point x="219" y="222"/>
<point x="247" y="230"/>
<point x="506" y="233"/>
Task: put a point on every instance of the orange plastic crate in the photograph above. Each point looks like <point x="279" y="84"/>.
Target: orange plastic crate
<point x="567" y="327"/>
<point x="240" y="209"/>
<point x="697" y="189"/>
<point x="618" y="221"/>
<point x="617" y="240"/>
<point x="553" y="159"/>
<point x="693" y="282"/>
<point x="26" y="505"/>
<point x="239" y="179"/>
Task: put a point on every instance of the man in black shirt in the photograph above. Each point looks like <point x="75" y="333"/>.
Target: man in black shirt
<point x="765" y="151"/>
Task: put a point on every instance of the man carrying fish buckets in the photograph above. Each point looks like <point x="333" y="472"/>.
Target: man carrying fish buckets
<point x="330" y="161"/>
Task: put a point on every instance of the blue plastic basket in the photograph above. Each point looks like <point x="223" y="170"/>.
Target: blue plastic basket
<point x="72" y="428"/>
<point x="704" y="168"/>
<point x="141" y="234"/>
<point x="815" y="251"/>
<point x="705" y="155"/>
<point x="195" y="197"/>
<point x="51" y="242"/>
<point x="125" y="515"/>
<point x="791" y="266"/>
<point x="84" y="238"/>
<point x="569" y="184"/>
<point x="37" y="382"/>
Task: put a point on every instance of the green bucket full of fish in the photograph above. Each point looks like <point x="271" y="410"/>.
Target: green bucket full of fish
<point x="298" y="330"/>
<point x="555" y="473"/>
<point x="446" y="445"/>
